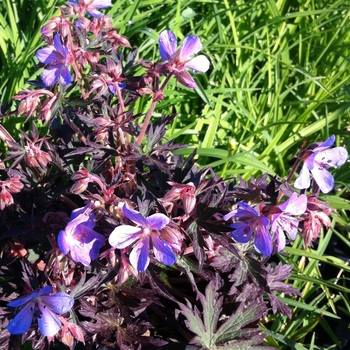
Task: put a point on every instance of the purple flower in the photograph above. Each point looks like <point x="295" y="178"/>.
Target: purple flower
<point x="90" y="6"/>
<point x="44" y="307"/>
<point x="283" y="221"/>
<point x="180" y="60"/>
<point x="145" y="233"/>
<point x="79" y="238"/>
<point x="318" y="158"/>
<point x="58" y="57"/>
<point x="249" y="223"/>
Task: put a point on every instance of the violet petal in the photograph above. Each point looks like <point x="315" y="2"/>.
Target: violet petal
<point x="60" y="302"/>
<point x="323" y="178"/>
<point x="134" y="216"/>
<point x="21" y="323"/>
<point x="124" y="235"/>
<point x="333" y="157"/>
<point x="163" y="252"/>
<point x="139" y="256"/>
<point x="185" y="79"/>
<point x="242" y="232"/>
<point x="167" y="43"/>
<point x="190" y="46"/>
<point x="49" y="323"/>
<point x="157" y="221"/>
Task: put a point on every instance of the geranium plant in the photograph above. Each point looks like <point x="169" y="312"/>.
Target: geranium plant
<point x="114" y="239"/>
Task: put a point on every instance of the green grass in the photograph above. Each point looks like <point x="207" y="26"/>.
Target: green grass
<point x="279" y="75"/>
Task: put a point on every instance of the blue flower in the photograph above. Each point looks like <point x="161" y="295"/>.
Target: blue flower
<point x="180" y="60"/>
<point x="79" y="239"/>
<point x="146" y="232"/>
<point x="317" y="159"/>
<point x="44" y="307"/>
<point x="91" y="6"/>
<point x="249" y="223"/>
<point x="58" y="58"/>
<point x="283" y="221"/>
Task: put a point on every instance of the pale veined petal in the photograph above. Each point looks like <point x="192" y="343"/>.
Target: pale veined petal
<point x="294" y="205"/>
<point x="134" y="216"/>
<point x="281" y="239"/>
<point x="60" y="302"/>
<point x="21" y="323"/>
<point x="101" y="3"/>
<point x="48" y="321"/>
<point x="48" y="55"/>
<point x="323" y="178"/>
<point x="157" y="221"/>
<point x="167" y="44"/>
<point x="199" y="63"/>
<point x="303" y="180"/>
<point x="190" y="46"/>
<point x="332" y="157"/>
<point x="62" y="242"/>
<point x="139" y="256"/>
<point x="51" y="75"/>
<point x="163" y="252"/>
<point x="124" y="235"/>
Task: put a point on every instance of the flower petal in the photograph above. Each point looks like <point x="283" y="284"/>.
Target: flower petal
<point x="65" y="76"/>
<point x="323" y="178"/>
<point x="22" y="301"/>
<point x="84" y="215"/>
<point x="48" y="55"/>
<point x="157" y="221"/>
<point x="62" y="243"/>
<point x="139" y="256"/>
<point x="294" y="205"/>
<point x="262" y="241"/>
<point x="185" y="79"/>
<point x="328" y="143"/>
<point x="200" y="64"/>
<point x="167" y="44"/>
<point x="21" y="323"/>
<point x="59" y="47"/>
<point x="93" y="12"/>
<point x="243" y="232"/>
<point x="332" y="157"/>
<point x="85" y="244"/>
<point x="49" y="323"/>
<point x="60" y="302"/>
<point x="134" y="216"/>
<point x="303" y="180"/>
<point x="190" y="46"/>
<point x="163" y="252"/>
<point x="100" y="4"/>
<point x="51" y="75"/>
<point x="124" y="235"/>
<point x="281" y="239"/>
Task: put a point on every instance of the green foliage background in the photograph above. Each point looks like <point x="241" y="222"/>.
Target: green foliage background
<point x="279" y="75"/>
